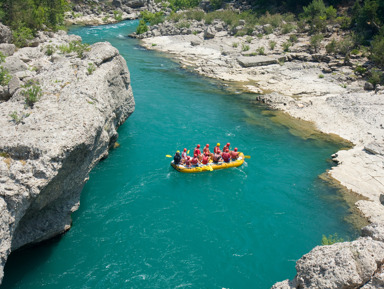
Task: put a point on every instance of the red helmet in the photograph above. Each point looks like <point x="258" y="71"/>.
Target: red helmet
<point x="235" y="149"/>
<point x="207" y="145"/>
<point x="185" y="150"/>
<point x="228" y="144"/>
<point x="198" y="146"/>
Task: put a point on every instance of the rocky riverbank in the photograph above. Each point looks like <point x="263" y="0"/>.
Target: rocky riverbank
<point x="59" y="116"/>
<point x="315" y="86"/>
<point x="93" y="12"/>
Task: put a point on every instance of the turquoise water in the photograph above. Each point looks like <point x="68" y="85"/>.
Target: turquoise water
<point x="143" y="225"/>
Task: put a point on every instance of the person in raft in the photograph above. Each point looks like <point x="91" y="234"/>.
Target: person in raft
<point x="197" y="152"/>
<point x="177" y="158"/>
<point x="195" y="160"/>
<point x="217" y="156"/>
<point x="184" y="155"/>
<point x="226" y="155"/>
<point x="205" y="160"/>
<point x="188" y="161"/>
<point x="226" y="147"/>
<point x="217" y="148"/>
<point x="234" y="154"/>
<point x="206" y="151"/>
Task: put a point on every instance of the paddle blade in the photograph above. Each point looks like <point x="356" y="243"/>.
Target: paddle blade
<point x="247" y="157"/>
<point x="168" y="156"/>
<point x="210" y="168"/>
<point x="188" y="152"/>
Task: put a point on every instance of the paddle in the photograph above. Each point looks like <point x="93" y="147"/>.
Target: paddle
<point x="168" y="156"/>
<point x="247" y="157"/>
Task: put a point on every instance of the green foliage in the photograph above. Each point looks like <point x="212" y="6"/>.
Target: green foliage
<point x="235" y="45"/>
<point x="194" y="14"/>
<point x="286" y="46"/>
<point x="274" y="19"/>
<point x="118" y="15"/>
<point x="345" y="45"/>
<point x="33" y="14"/>
<point x="75" y="46"/>
<point x="5" y="77"/>
<point x="183" y="24"/>
<point x="293" y="38"/>
<point x="32" y="92"/>
<point x="316" y="41"/>
<point x="152" y="18"/>
<point x="182" y="4"/>
<point x="316" y="15"/>
<point x="321" y="75"/>
<point x="360" y="70"/>
<point x="272" y="44"/>
<point x="105" y="19"/>
<point x="368" y="18"/>
<point x="245" y="47"/>
<point x="21" y="36"/>
<point x="344" y="21"/>
<point x="16" y="117"/>
<point x="268" y="29"/>
<point x="249" y="39"/>
<point x="288" y="28"/>
<point x="50" y="49"/>
<point x="331" y="239"/>
<point x="216" y="4"/>
<point x="260" y="50"/>
<point x="331" y="46"/>
<point x="142" y="27"/>
<point x="91" y="68"/>
<point x="377" y="50"/>
<point x="376" y="77"/>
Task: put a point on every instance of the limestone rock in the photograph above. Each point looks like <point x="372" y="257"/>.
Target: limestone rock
<point x="375" y="231"/>
<point x="47" y="156"/>
<point x="375" y="148"/>
<point x="5" y="34"/>
<point x="14" y="64"/>
<point x="341" y="265"/>
<point x="259" y="60"/>
<point x="209" y="32"/>
<point x="368" y="86"/>
<point x="7" y="49"/>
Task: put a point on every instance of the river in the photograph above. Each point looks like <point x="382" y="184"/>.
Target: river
<point x="141" y="224"/>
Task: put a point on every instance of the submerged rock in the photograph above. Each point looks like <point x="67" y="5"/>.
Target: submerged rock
<point x="47" y="152"/>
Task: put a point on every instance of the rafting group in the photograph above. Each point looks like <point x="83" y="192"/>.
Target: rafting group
<point x="204" y="158"/>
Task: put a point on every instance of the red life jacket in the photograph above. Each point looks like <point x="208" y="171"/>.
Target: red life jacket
<point x="226" y="156"/>
<point x="195" y="161"/>
<point x="205" y="160"/>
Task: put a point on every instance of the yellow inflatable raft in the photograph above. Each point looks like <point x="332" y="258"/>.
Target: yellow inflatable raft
<point x="210" y="167"/>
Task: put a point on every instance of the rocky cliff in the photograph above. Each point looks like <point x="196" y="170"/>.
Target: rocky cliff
<point x="49" y="145"/>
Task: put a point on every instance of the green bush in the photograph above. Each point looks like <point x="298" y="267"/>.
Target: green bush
<point x="268" y="29"/>
<point x="21" y="36"/>
<point x="193" y="14"/>
<point x="249" y="39"/>
<point x="321" y="75"/>
<point x="288" y="28"/>
<point x="274" y="19"/>
<point x="142" y="27"/>
<point x="331" y="239"/>
<point x="5" y="77"/>
<point x="286" y="46"/>
<point x="344" y="21"/>
<point x="377" y="50"/>
<point x="260" y="50"/>
<point x="245" y="47"/>
<point x="75" y="46"/>
<point x="235" y="45"/>
<point x="376" y="77"/>
<point x="316" y="41"/>
<point x="50" y="49"/>
<point x="272" y="44"/>
<point x="118" y="15"/>
<point x="345" y="46"/>
<point x="360" y="70"/>
<point x="216" y="4"/>
<point x="293" y="38"/>
<point x="91" y="68"/>
<point x="152" y="18"/>
<point x="183" y="24"/>
<point x="32" y="92"/>
<point x="331" y="47"/>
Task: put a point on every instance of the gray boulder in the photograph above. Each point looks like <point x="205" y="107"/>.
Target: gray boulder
<point x="209" y="32"/>
<point x="375" y="231"/>
<point x="259" y="60"/>
<point x="341" y="265"/>
<point x="7" y="49"/>
<point x="13" y="64"/>
<point x="5" y="34"/>
<point x="369" y="86"/>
